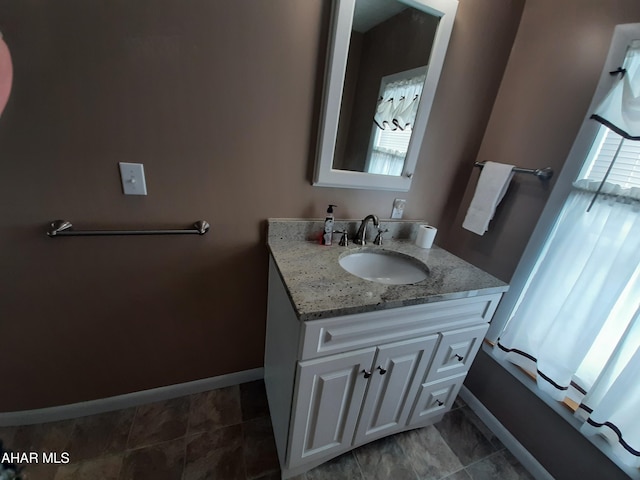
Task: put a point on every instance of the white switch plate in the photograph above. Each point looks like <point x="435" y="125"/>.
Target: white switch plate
<point x="398" y="207"/>
<point x="132" y="175"/>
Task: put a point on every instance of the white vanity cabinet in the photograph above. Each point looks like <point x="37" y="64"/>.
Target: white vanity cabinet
<point x="337" y="383"/>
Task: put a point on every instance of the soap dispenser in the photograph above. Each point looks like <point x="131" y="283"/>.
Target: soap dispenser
<point x="327" y="235"/>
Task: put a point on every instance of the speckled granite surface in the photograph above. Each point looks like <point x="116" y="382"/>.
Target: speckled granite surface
<point x="320" y="288"/>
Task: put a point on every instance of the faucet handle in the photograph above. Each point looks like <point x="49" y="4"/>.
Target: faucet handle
<point x="344" y="239"/>
<point x="378" y="240"/>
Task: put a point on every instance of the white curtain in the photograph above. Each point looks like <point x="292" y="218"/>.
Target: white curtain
<point x="611" y="408"/>
<point x="385" y="161"/>
<point x="577" y="323"/>
<point x="394" y="118"/>
<point x="578" y="310"/>
<point x="398" y="104"/>
<point x="620" y="110"/>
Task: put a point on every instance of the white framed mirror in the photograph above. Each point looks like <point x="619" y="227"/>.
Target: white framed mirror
<point x="383" y="66"/>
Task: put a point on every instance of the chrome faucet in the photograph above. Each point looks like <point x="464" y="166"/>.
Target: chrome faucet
<point x="362" y="231"/>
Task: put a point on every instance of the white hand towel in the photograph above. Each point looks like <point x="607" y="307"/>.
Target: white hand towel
<point x="492" y="185"/>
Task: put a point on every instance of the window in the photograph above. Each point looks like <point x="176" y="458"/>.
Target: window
<point x="393" y="121"/>
<point x="626" y="170"/>
<point x="389" y="151"/>
<point x="576" y="320"/>
<point x="395" y="140"/>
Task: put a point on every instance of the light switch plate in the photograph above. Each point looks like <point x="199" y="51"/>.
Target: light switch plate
<point x="398" y="208"/>
<point x="132" y="175"/>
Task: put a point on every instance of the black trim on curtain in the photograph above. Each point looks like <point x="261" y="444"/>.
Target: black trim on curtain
<point x="585" y="408"/>
<point x="515" y="350"/>
<point x="544" y="377"/>
<point x="617" y="431"/>
<point x="550" y="381"/>
<point x="613" y="127"/>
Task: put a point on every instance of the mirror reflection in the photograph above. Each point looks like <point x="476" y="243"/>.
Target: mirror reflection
<point x="389" y="50"/>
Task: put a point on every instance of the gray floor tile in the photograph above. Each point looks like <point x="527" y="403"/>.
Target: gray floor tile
<point x="159" y="422"/>
<point x="473" y="418"/>
<point x="42" y="437"/>
<point x="163" y="461"/>
<point x="40" y="471"/>
<point x="460" y="475"/>
<point x="215" y="454"/>
<point x="496" y="466"/>
<point x="253" y="400"/>
<point x="383" y="460"/>
<point x="344" y="467"/>
<point x="260" y="454"/>
<point x="428" y="453"/>
<point x="215" y="409"/>
<point x="276" y="476"/>
<point x="226" y="434"/>
<point x="465" y="439"/>
<point x="458" y="403"/>
<point x="6" y="436"/>
<point x="99" y="435"/>
<point x="103" y="468"/>
<point x="516" y="465"/>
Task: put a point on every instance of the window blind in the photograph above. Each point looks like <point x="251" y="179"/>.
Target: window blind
<point x="396" y="140"/>
<point x="626" y="170"/>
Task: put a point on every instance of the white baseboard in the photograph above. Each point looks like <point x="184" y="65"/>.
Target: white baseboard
<point x="527" y="460"/>
<point x="93" y="407"/>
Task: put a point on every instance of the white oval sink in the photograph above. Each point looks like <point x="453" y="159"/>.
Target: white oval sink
<point x="384" y="267"/>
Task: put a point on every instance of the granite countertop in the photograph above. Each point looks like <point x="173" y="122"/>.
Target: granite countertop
<point x="319" y="288"/>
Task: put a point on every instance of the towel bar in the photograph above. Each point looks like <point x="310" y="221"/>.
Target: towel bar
<point x="62" y="228"/>
<point x="542" y="173"/>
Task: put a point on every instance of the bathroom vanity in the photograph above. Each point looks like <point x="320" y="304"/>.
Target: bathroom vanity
<point x="349" y="360"/>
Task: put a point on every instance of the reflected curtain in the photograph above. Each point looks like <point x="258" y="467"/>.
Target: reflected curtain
<point x="385" y="161"/>
<point x="398" y="104"/>
<point x="395" y="114"/>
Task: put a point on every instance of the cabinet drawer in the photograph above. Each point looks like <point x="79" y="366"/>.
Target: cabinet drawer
<point x="436" y="398"/>
<point x="456" y="351"/>
<point x="341" y="334"/>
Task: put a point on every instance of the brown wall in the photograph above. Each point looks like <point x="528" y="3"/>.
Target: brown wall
<point x="219" y="100"/>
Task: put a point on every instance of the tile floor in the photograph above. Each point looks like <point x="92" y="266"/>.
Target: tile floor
<point x="226" y="434"/>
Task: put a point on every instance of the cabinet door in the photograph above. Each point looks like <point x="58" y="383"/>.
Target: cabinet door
<point x="456" y="351"/>
<point x="329" y="395"/>
<point x="398" y="371"/>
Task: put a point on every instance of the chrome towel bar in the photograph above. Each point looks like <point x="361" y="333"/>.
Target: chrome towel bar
<point x="63" y="228"/>
<point x="542" y="173"/>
